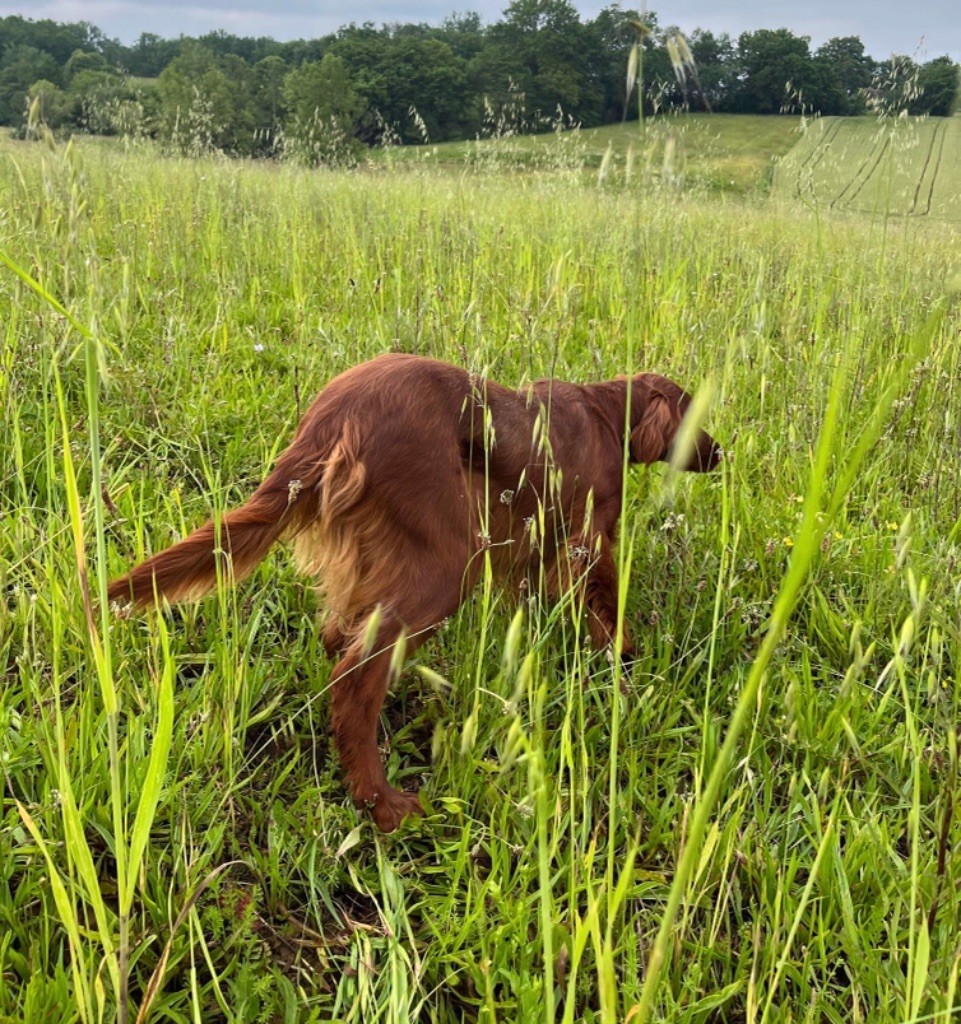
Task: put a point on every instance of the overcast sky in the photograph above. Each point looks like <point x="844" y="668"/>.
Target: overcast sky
<point x="883" y="25"/>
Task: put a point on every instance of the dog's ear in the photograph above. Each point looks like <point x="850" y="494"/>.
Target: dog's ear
<point x="662" y="405"/>
<point x="651" y="439"/>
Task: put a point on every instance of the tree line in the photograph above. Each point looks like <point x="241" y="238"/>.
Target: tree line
<point x="413" y="82"/>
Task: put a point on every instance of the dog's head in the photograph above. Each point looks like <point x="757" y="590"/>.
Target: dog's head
<point x="658" y="407"/>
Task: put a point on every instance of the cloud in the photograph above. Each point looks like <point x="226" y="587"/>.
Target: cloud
<point x="930" y="26"/>
<point x="884" y="28"/>
<point x="283" y="20"/>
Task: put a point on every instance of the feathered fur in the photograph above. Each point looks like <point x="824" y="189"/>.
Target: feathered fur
<point x="403" y="472"/>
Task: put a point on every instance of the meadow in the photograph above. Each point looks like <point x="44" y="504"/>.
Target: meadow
<point x="756" y="824"/>
<point x="708" y="152"/>
<point x="878" y="168"/>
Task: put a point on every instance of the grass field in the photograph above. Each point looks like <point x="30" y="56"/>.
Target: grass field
<point x="719" y="152"/>
<point x="758" y="824"/>
<point x="891" y="167"/>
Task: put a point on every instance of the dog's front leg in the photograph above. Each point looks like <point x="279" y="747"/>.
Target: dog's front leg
<point x="601" y="600"/>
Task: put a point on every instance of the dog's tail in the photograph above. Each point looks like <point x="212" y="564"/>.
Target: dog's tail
<point x="282" y="505"/>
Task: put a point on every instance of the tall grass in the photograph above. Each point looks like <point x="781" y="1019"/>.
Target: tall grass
<point x="756" y="824"/>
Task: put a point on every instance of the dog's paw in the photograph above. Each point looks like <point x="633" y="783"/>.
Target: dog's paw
<point x="628" y="657"/>
<point x="389" y="808"/>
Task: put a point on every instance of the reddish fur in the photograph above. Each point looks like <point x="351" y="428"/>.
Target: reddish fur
<point x="408" y="469"/>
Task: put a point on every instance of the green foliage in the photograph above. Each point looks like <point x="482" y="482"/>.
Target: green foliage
<point x="269" y="107"/>
<point x="321" y="89"/>
<point x="426" y="75"/>
<point x="322" y="106"/>
<point x="58" y="40"/>
<point x="938" y="81"/>
<point x="86" y="62"/>
<point x="605" y="56"/>
<point x="20" y="66"/>
<point x="414" y="83"/>
<point x="409" y="69"/>
<point x="902" y="86"/>
<point x="850" y="70"/>
<point x="541" y="41"/>
<point x="202" y="102"/>
<point x="776" y="67"/>
<point x="109" y="104"/>
<point x="715" y="57"/>
<point x="49" y="103"/>
<point x="150" y="54"/>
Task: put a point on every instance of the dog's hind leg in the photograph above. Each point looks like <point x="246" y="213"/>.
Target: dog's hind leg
<point x="333" y="638"/>
<point x="359" y="684"/>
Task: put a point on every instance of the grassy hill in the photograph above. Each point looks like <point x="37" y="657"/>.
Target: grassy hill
<point x="900" y="168"/>
<point x="731" y="152"/>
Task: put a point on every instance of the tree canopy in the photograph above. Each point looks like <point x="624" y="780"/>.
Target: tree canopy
<point x="416" y="82"/>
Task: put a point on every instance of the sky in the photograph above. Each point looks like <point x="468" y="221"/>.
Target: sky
<point x="930" y="27"/>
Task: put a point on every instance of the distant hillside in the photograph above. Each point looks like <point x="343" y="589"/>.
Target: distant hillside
<point x="899" y="167"/>
<point x="726" y="152"/>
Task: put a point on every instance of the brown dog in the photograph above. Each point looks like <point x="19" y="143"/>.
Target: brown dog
<point x="403" y="474"/>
